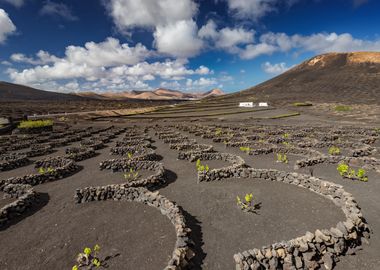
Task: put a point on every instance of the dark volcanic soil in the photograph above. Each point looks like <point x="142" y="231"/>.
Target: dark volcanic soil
<point x="4" y="200"/>
<point x="222" y="229"/>
<point x="137" y="236"/>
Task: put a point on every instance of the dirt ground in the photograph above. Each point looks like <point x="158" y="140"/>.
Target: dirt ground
<point x="134" y="236"/>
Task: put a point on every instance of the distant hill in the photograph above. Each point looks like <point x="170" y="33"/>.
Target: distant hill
<point x="158" y="94"/>
<point x="333" y="77"/>
<point x="15" y="92"/>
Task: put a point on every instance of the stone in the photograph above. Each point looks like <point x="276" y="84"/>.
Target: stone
<point x="328" y="262"/>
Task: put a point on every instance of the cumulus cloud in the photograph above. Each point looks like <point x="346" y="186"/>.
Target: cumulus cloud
<point x="104" y="65"/>
<point x="201" y="82"/>
<point x="226" y="38"/>
<point x="171" y="21"/>
<point x="275" y="69"/>
<point x="270" y="43"/>
<point x="60" y="10"/>
<point x="256" y="9"/>
<point x="16" y="3"/>
<point x="178" y="39"/>
<point x="42" y="57"/>
<point x="128" y="14"/>
<point x="6" y="26"/>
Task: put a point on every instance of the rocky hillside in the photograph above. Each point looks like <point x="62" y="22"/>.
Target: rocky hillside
<point x="351" y="78"/>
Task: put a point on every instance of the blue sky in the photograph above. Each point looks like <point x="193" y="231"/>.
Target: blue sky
<point x="118" y="45"/>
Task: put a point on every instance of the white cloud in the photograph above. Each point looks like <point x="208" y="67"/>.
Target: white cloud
<point x="270" y="43"/>
<point x="178" y="39"/>
<point x="104" y="65"/>
<point x="128" y="14"/>
<point x="16" y="3"/>
<point x="58" y="10"/>
<point x="171" y="85"/>
<point x="104" y="54"/>
<point x="202" y="82"/>
<point x="254" y="50"/>
<point x="256" y="9"/>
<point x="174" y="29"/>
<point x="226" y="38"/>
<point x="6" y="26"/>
<point x="275" y="69"/>
<point x="42" y="58"/>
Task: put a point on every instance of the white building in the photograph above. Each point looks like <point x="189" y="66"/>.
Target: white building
<point x="246" y="104"/>
<point x="263" y="104"/>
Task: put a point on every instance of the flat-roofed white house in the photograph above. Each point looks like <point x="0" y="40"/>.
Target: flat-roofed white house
<point x="263" y="104"/>
<point x="246" y="105"/>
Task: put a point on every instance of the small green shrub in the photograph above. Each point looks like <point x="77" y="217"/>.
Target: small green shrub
<point x="302" y="104"/>
<point x="200" y="167"/>
<point x="245" y="149"/>
<point x="348" y="172"/>
<point x="35" y="124"/>
<point x="333" y="150"/>
<point x="43" y="170"/>
<point x="342" y="108"/>
<point x="88" y="258"/>
<point x="132" y="175"/>
<point x="283" y="158"/>
<point x="218" y="132"/>
<point x="287" y="144"/>
<point x="247" y="205"/>
<point x="286" y="135"/>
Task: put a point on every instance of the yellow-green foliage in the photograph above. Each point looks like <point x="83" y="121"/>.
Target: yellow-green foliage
<point x="342" y="108"/>
<point x="247" y="204"/>
<point x="245" y="149"/>
<point x="346" y="171"/>
<point x="282" y="158"/>
<point x="302" y="104"/>
<point x="35" y="124"/>
<point x="333" y="150"/>
<point x="132" y="175"/>
<point x="91" y="258"/>
<point x="200" y="167"/>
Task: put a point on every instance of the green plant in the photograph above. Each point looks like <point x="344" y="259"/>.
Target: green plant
<point x="35" y="124"/>
<point x="334" y="150"/>
<point x="285" y="135"/>
<point x="88" y="258"/>
<point x="348" y="172"/>
<point x="218" y="132"/>
<point x="130" y="155"/>
<point x="282" y="158"/>
<point x="302" y="104"/>
<point x="342" y="108"/>
<point x="200" y="167"/>
<point x="361" y="174"/>
<point x="43" y="170"/>
<point x="246" y="205"/>
<point x="287" y="144"/>
<point x="343" y="169"/>
<point x="245" y="149"/>
<point x="132" y="175"/>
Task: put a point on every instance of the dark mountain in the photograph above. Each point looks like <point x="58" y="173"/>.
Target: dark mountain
<point x="16" y="92"/>
<point x="350" y="78"/>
